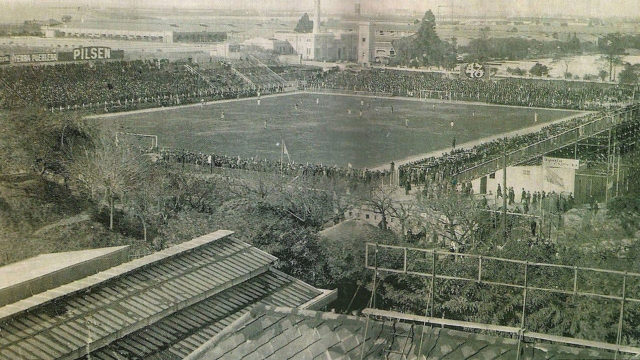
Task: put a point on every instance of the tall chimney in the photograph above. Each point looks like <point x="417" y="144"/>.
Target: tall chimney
<point x="316" y="17"/>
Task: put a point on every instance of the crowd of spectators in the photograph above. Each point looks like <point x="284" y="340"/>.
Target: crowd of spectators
<point x="505" y="91"/>
<point x="123" y="85"/>
<point x="435" y="170"/>
<point x="258" y="73"/>
<point x="211" y="161"/>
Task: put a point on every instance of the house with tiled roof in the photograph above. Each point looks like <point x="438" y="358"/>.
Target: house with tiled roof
<point x="268" y="332"/>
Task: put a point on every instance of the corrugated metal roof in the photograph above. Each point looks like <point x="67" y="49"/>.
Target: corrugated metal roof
<point x="85" y="283"/>
<point x="177" y="335"/>
<point x="108" y="305"/>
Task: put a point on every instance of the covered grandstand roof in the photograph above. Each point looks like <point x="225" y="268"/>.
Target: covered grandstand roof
<point x="286" y="333"/>
<point x="161" y="306"/>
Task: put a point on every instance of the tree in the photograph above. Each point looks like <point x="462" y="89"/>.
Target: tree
<point x="603" y="75"/>
<point x="108" y="170"/>
<point x="305" y="25"/>
<point x="625" y="209"/>
<point x="425" y="47"/>
<point x="454" y="217"/>
<point x="38" y="140"/>
<point x="403" y="211"/>
<point x="629" y="75"/>
<point x="539" y="70"/>
<point x="612" y="47"/>
<point x="379" y="200"/>
<point x="516" y="71"/>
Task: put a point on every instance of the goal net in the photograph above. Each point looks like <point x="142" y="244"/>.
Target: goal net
<point x="142" y="141"/>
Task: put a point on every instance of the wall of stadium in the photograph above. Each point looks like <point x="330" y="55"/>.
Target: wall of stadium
<point x="530" y="178"/>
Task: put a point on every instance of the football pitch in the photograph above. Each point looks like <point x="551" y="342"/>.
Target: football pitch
<point x="329" y="129"/>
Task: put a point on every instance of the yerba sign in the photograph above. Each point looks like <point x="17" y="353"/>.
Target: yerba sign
<point x="89" y="53"/>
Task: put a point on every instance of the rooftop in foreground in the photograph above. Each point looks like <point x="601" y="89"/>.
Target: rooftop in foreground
<point x="24" y="278"/>
<point x="163" y="305"/>
<point x="286" y="333"/>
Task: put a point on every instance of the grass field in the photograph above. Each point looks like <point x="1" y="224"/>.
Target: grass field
<point x="325" y="132"/>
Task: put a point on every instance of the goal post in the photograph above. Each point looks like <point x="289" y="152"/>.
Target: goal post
<point x="141" y="140"/>
<point x="434" y="94"/>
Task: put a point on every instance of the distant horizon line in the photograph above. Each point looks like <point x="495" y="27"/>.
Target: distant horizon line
<point x="446" y="17"/>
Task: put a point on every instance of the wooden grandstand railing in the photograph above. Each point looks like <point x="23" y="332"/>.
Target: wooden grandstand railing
<point x="243" y="76"/>
<point x="568" y="137"/>
<point x="264" y="66"/>
<point x="529" y="277"/>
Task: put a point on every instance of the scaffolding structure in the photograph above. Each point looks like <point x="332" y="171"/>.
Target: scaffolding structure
<point x="525" y="276"/>
<point x="573" y="136"/>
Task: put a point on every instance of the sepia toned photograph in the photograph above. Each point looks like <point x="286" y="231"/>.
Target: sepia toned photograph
<point x="319" y="179"/>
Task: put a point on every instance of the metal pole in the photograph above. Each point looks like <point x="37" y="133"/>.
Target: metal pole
<point x="575" y="147"/>
<point x="433" y="282"/>
<point x="281" y="154"/>
<point x="371" y="300"/>
<point x="618" y="172"/>
<point x="405" y="260"/>
<point x="524" y="308"/>
<point x="606" y="194"/>
<point x="504" y="192"/>
<point x="624" y="295"/>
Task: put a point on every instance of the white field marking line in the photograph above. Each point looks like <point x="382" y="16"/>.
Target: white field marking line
<point x="327" y="93"/>
<point x="197" y="104"/>
<point x="439" y="101"/>
<point x="385" y="166"/>
<point x="471" y="144"/>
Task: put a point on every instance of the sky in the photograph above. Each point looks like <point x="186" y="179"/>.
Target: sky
<point x="482" y="8"/>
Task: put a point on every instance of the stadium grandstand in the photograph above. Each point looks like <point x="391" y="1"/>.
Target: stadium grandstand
<point x="128" y="85"/>
<point x="258" y="75"/>
<point x="622" y="127"/>
<point x="505" y="91"/>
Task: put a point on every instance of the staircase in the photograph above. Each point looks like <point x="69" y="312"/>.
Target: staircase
<point x="273" y="73"/>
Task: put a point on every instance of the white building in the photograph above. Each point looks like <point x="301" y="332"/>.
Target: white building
<point x="554" y="175"/>
<point x="163" y="36"/>
<point x="366" y="43"/>
<point x="322" y="46"/>
<point x="276" y="46"/>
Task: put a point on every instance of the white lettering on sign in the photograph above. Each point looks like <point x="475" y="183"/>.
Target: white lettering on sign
<point x="474" y="70"/>
<point x="25" y="58"/>
<point x="92" y="53"/>
<point x="560" y="163"/>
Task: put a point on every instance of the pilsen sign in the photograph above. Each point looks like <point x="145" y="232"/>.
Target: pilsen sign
<point x="92" y="53"/>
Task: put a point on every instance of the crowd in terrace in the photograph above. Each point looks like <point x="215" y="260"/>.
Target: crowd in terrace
<point x="119" y="85"/>
<point x="437" y="169"/>
<point x="506" y="91"/>
<point x="265" y="165"/>
<point x="297" y="72"/>
<point x="258" y="73"/>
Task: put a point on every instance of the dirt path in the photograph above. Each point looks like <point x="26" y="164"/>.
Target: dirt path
<point x="64" y="222"/>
